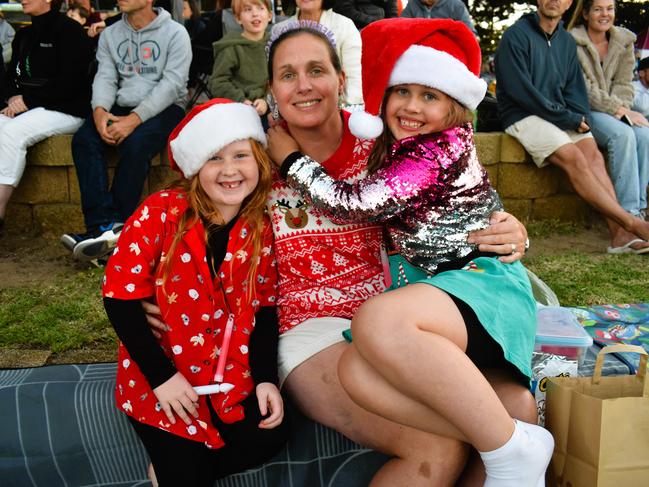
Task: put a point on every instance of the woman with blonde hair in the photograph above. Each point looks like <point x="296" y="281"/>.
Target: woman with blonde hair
<point x="605" y="52"/>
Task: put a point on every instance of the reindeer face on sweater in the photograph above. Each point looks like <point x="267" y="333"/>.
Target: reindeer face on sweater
<point x="295" y="217"/>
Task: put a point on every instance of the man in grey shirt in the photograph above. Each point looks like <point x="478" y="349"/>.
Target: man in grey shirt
<point x="138" y="97"/>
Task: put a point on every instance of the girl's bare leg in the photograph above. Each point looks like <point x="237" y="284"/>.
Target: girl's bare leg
<point x="420" y="458"/>
<point x="413" y="355"/>
<point x="419" y="350"/>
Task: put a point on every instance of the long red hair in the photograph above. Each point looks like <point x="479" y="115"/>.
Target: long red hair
<point x="201" y="207"/>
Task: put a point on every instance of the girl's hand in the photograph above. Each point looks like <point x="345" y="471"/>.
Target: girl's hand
<point x="505" y="235"/>
<point x="261" y="106"/>
<point x="177" y="395"/>
<point x="270" y="400"/>
<point x="280" y="144"/>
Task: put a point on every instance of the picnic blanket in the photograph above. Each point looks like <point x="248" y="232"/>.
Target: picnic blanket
<point x="617" y="323"/>
<point x="61" y="428"/>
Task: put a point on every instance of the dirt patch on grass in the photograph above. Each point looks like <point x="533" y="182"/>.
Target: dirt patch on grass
<point x="593" y="240"/>
<point x="26" y="260"/>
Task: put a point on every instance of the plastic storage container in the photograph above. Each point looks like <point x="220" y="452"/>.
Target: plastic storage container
<point x="560" y="333"/>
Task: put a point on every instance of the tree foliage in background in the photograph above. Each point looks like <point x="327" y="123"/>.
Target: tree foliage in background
<point x="488" y="15"/>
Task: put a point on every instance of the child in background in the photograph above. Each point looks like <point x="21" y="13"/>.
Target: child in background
<point x="203" y="251"/>
<point x="452" y="311"/>
<point x="192" y="19"/>
<point x="78" y="13"/>
<point x="240" y="58"/>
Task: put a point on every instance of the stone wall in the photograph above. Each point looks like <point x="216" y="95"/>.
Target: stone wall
<point x="47" y="199"/>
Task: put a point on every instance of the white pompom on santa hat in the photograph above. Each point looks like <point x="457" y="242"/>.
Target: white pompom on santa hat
<point x="207" y="129"/>
<point x="438" y="53"/>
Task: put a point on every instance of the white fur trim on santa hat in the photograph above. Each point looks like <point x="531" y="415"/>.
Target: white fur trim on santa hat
<point x="437" y="69"/>
<point x="365" y="126"/>
<point x="211" y="130"/>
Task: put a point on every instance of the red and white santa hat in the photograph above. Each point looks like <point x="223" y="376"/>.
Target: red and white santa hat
<point x="439" y="53"/>
<point x="209" y="127"/>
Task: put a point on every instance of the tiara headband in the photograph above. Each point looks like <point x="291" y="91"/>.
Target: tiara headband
<point x="290" y="25"/>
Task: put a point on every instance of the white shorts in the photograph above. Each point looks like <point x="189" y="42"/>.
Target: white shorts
<point x="541" y="138"/>
<point x="307" y="339"/>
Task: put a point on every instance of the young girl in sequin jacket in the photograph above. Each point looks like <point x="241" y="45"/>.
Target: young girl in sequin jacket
<point x="452" y="311"/>
<point x="203" y="251"/>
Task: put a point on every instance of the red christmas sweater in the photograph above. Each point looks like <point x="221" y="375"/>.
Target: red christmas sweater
<point x="195" y="307"/>
<point x="325" y="269"/>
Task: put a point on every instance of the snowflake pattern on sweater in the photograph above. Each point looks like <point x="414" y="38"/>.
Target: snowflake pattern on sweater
<point x="325" y="269"/>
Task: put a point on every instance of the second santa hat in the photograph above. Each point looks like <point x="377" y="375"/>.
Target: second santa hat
<point x="207" y="129"/>
<point x="439" y="53"/>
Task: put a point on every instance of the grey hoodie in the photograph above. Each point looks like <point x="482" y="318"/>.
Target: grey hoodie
<point x="146" y="69"/>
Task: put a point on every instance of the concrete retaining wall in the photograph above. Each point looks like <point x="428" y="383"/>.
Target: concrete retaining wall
<point x="47" y="200"/>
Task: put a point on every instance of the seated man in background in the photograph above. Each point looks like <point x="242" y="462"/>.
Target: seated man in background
<point x="138" y="96"/>
<point x="543" y="103"/>
<point x="641" y="87"/>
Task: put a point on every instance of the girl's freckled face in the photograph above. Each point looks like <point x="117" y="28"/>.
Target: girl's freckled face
<point x="229" y="176"/>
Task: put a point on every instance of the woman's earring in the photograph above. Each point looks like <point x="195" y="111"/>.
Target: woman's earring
<point x="341" y="99"/>
<point x="275" y="113"/>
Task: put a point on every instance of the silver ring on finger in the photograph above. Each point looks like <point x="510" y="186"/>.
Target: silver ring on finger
<point x="513" y="248"/>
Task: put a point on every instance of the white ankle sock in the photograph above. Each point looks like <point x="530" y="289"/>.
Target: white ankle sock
<point x="522" y="461"/>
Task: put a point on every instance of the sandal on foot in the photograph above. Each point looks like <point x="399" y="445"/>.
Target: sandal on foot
<point x="627" y="249"/>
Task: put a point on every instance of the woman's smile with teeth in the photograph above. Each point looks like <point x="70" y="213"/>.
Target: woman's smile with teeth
<point x="305" y="104"/>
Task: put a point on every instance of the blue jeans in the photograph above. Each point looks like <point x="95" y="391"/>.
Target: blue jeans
<point x="628" y="159"/>
<point x="100" y="204"/>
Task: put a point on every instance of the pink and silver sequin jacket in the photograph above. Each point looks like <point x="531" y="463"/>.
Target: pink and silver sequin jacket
<point x="430" y="193"/>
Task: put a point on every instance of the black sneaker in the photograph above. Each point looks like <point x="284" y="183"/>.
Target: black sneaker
<point x="93" y="244"/>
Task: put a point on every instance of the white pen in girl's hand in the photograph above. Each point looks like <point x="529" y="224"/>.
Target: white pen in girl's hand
<point x="213" y="388"/>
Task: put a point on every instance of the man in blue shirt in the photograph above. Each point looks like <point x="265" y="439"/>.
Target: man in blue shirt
<point x="543" y="103"/>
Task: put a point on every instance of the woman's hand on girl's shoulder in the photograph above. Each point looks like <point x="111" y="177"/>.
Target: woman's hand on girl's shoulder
<point x="271" y="404"/>
<point x="177" y="395"/>
<point x="280" y="144"/>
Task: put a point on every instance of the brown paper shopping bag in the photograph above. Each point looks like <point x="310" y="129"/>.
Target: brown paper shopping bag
<point x="600" y="427"/>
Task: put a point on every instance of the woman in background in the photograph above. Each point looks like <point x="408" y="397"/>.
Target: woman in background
<point x="606" y="56"/>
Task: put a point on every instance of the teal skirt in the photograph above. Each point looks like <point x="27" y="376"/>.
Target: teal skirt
<point x="499" y="294"/>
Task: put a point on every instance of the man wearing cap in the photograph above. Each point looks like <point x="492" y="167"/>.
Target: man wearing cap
<point x="543" y="103"/>
<point x="138" y="97"/>
<point x="641" y="87"/>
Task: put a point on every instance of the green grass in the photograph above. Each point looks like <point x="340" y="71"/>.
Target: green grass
<point x="581" y="279"/>
<point x="547" y="228"/>
<point x="63" y="314"/>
